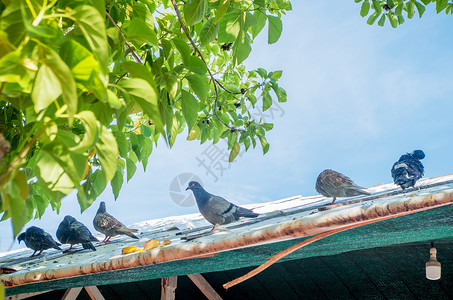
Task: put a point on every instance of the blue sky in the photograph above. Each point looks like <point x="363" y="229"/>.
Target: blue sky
<point x="359" y="96"/>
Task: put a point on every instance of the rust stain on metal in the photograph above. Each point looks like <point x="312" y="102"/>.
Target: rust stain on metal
<point x="306" y="226"/>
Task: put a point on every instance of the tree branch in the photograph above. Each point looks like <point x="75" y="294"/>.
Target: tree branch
<point x="214" y="81"/>
<point x="137" y="59"/>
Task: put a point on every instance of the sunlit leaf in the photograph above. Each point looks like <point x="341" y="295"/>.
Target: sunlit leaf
<point x="194" y="11"/>
<point x="189" y="108"/>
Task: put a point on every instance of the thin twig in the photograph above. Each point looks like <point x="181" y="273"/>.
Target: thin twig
<point x="214" y="81"/>
<point x="137" y="59"/>
<point x="318" y="237"/>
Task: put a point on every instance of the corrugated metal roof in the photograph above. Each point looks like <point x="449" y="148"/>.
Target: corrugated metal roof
<point x="285" y="219"/>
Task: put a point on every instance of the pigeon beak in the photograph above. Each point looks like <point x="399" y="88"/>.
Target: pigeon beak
<point x="188" y="188"/>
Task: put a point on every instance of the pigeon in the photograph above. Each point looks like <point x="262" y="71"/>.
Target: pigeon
<point x="108" y="225"/>
<point x="71" y="231"/>
<point x="333" y="184"/>
<point x="408" y="169"/>
<point x="37" y="239"/>
<point x="215" y="209"/>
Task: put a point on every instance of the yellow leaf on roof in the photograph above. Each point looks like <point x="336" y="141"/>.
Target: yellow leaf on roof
<point x="131" y="249"/>
<point x="154" y="243"/>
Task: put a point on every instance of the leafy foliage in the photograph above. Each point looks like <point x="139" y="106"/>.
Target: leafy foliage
<point x="88" y="87"/>
<point x="395" y="10"/>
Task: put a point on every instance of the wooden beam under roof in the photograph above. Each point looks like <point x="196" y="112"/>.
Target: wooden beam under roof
<point x="204" y="286"/>
<point x="168" y="288"/>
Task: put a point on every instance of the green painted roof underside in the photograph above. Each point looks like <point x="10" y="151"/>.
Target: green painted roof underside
<point x="434" y="225"/>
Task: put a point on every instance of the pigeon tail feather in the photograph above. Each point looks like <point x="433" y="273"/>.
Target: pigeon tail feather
<point x="244" y="212"/>
<point x="88" y="245"/>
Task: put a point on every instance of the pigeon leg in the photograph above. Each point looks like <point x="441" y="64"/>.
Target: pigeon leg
<point x="333" y="200"/>
<point x="39" y="252"/>
<point x="108" y="240"/>
<point x="214" y="228"/>
<point x="33" y="253"/>
<point x="103" y="241"/>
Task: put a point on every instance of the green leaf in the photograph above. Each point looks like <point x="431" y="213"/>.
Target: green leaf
<point x="209" y="32"/>
<point x="264" y="144"/>
<point x="92" y="24"/>
<point x="267" y="126"/>
<point x="221" y="10"/>
<point x="261" y="19"/>
<point x="229" y="27"/>
<point x="146" y="96"/>
<point x="137" y="70"/>
<point x="241" y="48"/>
<point x="17" y="190"/>
<point x="400" y="20"/>
<point x="91" y="135"/>
<point x="281" y="95"/>
<point x="365" y="8"/>
<point x="194" y="11"/>
<point x="107" y="151"/>
<point x="410" y="10"/>
<point x="420" y="8"/>
<point x="267" y="99"/>
<point x="189" y="108"/>
<point x="64" y="78"/>
<point x="393" y="20"/>
<point x="141" y="32"/>
<point x="440" y="5"/>
<point x="123" y="144"/>
<point x="197" y="65"/>
<point x="131" y="168"/>
<point x="382" y="20"/>
<point x="46" y="88"/>
<point x="275" y="29"/>
<point x="200" y="85"/>
<point x="426" y="2"/>
<point x="372" y="18"/>
<point x="184" y="49"/>
<point x="399" y="9"/>
<point x="11" y="69"/>
<point x="194" y="133"/>
<point x="276" y="75"/>
<point x="232" y="139"/>
<point x="117" y="181"/>
<point x="234" y="152"/>
<point x="377" y="6"/>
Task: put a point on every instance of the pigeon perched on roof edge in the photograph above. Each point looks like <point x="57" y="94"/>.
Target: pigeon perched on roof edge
<point x="108" y="225"/>
<point x="37" y="239"/>
<point x="71" y="231"/>
<point x="334" y="184"/>
<point x="215" y="209"/>
<point x="408" y="169"/>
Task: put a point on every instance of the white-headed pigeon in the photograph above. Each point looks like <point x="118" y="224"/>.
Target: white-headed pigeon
<point x="408" y="169"/>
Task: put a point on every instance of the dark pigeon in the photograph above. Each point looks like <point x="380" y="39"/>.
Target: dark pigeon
<point x="408" y="169"/>
<point x="37" y="239"/>
<point x="71" y="231"/>
<point x="215" y="209"/>
<point x="333" y="184"/>
<point x="108" y="225"/>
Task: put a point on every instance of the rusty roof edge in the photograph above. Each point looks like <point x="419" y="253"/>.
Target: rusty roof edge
<point x="306" y="226"/>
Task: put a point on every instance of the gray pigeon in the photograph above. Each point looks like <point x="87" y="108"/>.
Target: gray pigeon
<point x="215" y="209"/>
<point x="108" y="225"/>
<point x="333" y="184"/>
<point x="71" y="231"/>
<point x="37" y="239"/>
<point x="408" y="169"/>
